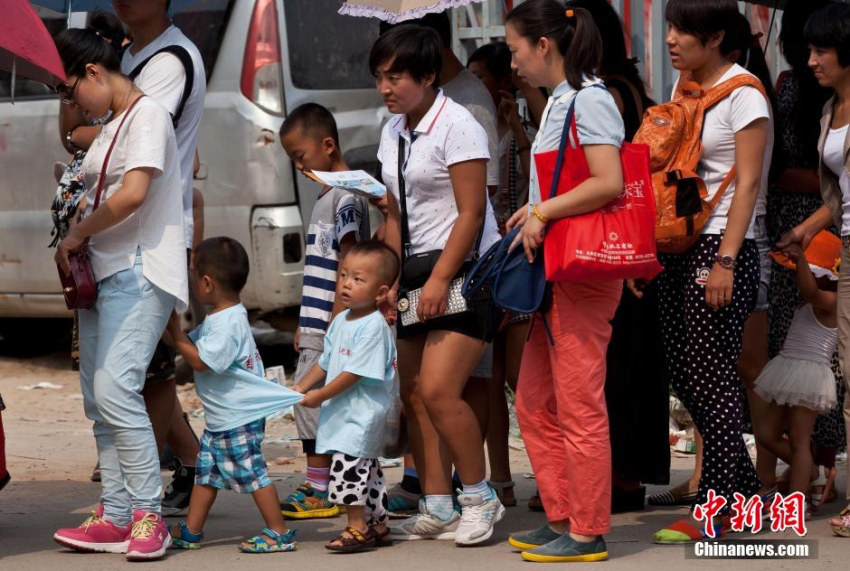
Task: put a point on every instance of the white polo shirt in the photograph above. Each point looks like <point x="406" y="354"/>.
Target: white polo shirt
<point x="146" y="140"/>
<point x="448" y="134"/>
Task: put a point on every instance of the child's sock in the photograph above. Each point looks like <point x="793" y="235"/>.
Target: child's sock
<point x="440" y="506"/>
<point x="318" y="478"/>
<point x="481" y="488"/>
<point x="410" y="481"/>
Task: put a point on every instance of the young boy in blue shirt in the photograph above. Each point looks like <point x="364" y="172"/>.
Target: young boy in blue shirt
<point x="359" y="360"/>
<point x="339" y="219"/>
<point x="230" y="381"/>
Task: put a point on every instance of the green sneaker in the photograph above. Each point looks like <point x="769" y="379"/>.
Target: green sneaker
<point x="565" y="549"/>
<point x="308" y="503"/>
<point x="540" y="536"/>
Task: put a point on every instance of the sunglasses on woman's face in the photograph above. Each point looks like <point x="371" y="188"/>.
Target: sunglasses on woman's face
<point x="67" y="93"/>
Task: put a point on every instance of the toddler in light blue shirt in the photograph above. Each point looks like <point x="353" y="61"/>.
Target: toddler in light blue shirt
<point x="359" y="359"/>
<point x="230" y="381"/>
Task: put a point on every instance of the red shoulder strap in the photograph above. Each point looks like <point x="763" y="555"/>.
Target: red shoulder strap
<point x="109" y="153"/>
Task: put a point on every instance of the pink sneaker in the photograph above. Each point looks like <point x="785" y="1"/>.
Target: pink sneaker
<point x="95" y="535"/>
<point x="149" y="538"/>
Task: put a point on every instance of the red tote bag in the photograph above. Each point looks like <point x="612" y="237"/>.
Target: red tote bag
<point x="615" y="242"/>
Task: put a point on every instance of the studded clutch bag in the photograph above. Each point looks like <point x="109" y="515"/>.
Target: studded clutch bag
<point x="408" y="303"/>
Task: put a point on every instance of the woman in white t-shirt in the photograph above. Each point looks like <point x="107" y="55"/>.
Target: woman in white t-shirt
<point x="440" y="151"/>
<point x="828" y="34"/>
<point x="138" y="254"/>
<point x="708" y="292"/>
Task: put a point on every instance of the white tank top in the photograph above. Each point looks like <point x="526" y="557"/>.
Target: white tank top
<point x="809" y="339"/>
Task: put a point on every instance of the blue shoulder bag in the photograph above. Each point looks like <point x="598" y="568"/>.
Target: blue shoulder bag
<point x="516" y="284"/>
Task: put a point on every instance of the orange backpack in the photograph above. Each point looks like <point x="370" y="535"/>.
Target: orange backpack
<point x="673" y="132"/>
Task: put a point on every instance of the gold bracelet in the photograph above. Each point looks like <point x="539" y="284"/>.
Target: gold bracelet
<point x="537" y="214"/>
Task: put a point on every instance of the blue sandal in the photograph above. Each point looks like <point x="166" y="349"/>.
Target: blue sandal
<point x="187" y="539"/>
<point x="259" y="544"/>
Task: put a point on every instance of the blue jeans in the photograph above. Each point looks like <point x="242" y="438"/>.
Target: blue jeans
<point x="117" y="340"/>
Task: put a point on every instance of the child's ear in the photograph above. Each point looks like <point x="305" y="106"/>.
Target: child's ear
<point x="208" y="283"/>
<point x="382" y="294"/>
<point x="329" y="145"/>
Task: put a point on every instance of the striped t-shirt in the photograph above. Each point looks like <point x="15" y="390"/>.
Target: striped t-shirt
<point x="336" y="213"/>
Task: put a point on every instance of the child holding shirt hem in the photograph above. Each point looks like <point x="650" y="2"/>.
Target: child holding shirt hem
<point x="230" y="381"/>
<point x="360" y="358"/>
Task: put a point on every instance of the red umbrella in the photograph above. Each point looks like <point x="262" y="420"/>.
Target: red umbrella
<point x="26" y="47"/>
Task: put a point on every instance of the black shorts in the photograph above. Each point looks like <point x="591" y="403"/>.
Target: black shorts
<point x="481" y="322"/>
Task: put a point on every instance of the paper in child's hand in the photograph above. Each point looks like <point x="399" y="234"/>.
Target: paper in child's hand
<point x="359" y="182"/>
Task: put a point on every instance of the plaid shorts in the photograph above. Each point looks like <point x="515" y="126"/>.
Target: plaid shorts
<point x="233" y="459"/>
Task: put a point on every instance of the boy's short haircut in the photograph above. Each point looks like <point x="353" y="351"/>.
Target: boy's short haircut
<point x="224" y="260"/>
<point x="830" y="28"/>
<point x="314" y="119"/>
<point x="410" y="48"/>
<point x="390" y="264"/>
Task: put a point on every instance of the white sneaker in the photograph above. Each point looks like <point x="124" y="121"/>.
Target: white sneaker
<point x="423" y="525"/>
<point x="477" y="518"/>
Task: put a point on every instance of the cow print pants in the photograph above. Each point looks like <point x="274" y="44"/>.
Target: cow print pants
<point x="359" y="482"/>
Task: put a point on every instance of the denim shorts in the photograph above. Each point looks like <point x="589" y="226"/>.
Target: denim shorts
<point x="765" y="263"/>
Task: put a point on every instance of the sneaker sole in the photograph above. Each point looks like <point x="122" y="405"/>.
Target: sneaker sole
<point x="89" y="547"/>
<point x="138" y="556"/>
<point x="590" y="557"/>
<point x="446" y="535"/>
<point x="401" y="515"/>
<point x="521" y="545"/>
<point x="500" y="513"/>
<point x="312" y="514"/>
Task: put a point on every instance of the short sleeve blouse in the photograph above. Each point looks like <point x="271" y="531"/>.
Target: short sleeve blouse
<point x="598" y="122"/>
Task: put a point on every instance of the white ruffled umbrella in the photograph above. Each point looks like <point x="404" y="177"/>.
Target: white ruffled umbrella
<point x="395" y="11"/>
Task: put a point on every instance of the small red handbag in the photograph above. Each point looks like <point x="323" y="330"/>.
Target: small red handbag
<point x="616" y="241"/>
<point x="80" y="287"/>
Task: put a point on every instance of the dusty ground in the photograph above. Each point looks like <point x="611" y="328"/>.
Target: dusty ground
<point x="51" y="452"/>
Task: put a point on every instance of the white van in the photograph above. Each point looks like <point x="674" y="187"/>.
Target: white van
<point x="262" y="57"/>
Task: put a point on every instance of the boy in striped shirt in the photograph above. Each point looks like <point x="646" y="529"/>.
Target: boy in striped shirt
<point x="339" y="219"/>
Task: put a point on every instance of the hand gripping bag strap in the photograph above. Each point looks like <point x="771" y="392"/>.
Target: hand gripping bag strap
<point x="186" y="59"/>
<point x="78" y="286"/>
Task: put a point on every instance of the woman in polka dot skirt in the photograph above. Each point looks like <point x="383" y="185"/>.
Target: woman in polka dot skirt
<point x="707" y="292"/>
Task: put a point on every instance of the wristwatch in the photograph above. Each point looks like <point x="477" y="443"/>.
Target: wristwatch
<point x="68" y="137"/>
<point x="725" y="262"/>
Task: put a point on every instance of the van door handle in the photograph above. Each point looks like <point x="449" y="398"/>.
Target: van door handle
<point x="266" y="138"/>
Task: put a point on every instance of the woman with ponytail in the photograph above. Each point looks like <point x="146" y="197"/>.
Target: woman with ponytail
<point x="561" y="389"/>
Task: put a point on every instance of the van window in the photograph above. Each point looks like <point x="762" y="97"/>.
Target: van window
<point x="328" y="50"/>
<point x="206" y="28"/>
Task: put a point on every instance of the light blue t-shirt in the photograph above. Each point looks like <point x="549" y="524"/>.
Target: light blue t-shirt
<point x="234" y="391"/>
<point x="353" y="422"/>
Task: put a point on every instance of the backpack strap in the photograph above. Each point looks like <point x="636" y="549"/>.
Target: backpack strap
<point x="183" y="55"/>
<point x="719" y="92"/>
<point x="714" y="96"/>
